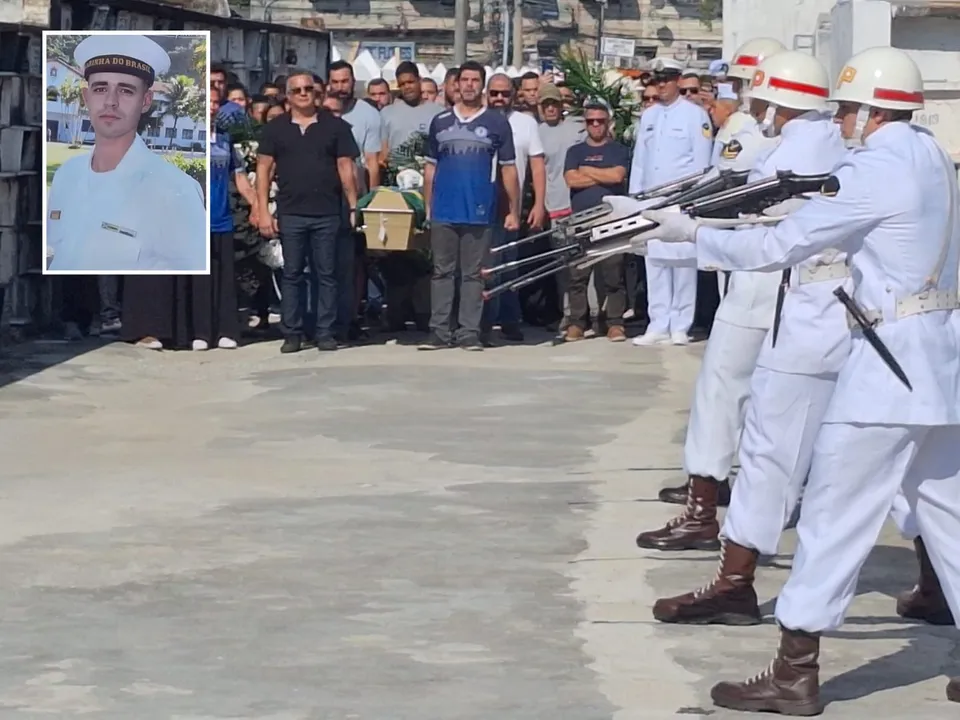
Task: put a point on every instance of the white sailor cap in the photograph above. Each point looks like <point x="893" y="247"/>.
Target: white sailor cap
<point x="129" y="54"/>
<point x="667" y="66"/>
<point x="719" y="68"/>
<point x="725" y="91"/>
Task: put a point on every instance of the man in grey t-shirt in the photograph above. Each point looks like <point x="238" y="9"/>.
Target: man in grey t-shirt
<point x="409" y="114"/>
<point x="557" y="135"/>
<point x="363" y="119"/>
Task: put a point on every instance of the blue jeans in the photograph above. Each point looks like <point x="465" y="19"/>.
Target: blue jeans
<point x="346" y="279"/>
<point x="504" y="309"/>
<point x="310" y="240"/>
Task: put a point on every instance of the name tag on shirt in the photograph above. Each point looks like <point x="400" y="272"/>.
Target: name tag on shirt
<point x="118" y="229"/>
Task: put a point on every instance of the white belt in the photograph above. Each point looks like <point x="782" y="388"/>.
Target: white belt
<point x="820" y="273"/>
<point x="929" y="301"/>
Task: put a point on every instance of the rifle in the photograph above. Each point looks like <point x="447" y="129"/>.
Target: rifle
<point x="592" y="244"/>
<point x="570" y="232"/>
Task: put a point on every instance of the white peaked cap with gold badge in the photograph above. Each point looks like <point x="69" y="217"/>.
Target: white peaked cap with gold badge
<point x="135" y="55"/>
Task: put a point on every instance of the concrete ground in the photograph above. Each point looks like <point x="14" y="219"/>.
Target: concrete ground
<point x="379" y="534"/>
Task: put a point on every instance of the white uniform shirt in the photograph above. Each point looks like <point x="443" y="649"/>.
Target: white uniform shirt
<point x="895" y="214"/>
<point x="146" y="214"/>
<point x="671" y="141"/>
<point x="751" y="297"/>
<point x="526" y="141"/>
<point x="736" y="123"/>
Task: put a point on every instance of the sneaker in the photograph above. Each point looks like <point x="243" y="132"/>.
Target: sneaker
<point x="679" y="338"/>
<point x="150" y="343"/>
<point x="471" y="343"/>
<point x="111" y="327"/>
<point x="291" y="345"/>
<point x="616" y="334"/>
<point x="433" y="342"/>
<point x="200" y="345"/>
<point x="649" y="338"/>
<point x="226" y="343"/>
<point x="326" y="344"/>
<point x="572" y="334"/>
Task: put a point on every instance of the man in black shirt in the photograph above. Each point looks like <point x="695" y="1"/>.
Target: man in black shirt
<point x="313" y="155"/>
<point x="594" y="169"/>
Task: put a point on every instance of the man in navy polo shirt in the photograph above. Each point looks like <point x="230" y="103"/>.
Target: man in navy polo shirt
<point x="465" y="147"/>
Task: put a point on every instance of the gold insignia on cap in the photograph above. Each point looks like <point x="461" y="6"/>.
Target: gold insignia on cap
<point x="707" y="130"/>
<point x="758" y="77"/>
<point x="54" y="214"/>
<point x="846" y="76"/>
<point x="731" y="150"/>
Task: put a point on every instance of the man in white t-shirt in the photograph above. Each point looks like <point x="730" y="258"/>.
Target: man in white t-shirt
<point x="505" y="309"/>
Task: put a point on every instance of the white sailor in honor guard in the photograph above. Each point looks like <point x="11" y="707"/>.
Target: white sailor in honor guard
<point x="122" y="208"/>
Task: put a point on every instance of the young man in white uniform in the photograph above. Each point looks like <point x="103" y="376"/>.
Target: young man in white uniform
<point x="879" y="436"/>
<point x="122" y="208"/>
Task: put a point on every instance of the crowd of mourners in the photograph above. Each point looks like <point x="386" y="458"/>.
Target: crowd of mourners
<point x="503" y="159"/>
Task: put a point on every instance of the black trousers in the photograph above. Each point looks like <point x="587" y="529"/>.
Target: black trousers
<point x="213" y="302"/>
<point x="459" y="254"/>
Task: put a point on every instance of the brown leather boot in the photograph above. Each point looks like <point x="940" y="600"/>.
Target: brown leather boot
<point x="953" y="690"/>
<point x="696" y="527"/>
<point x="678" y="495"/>
<point x="926" y="601"/>
<point x="729" y="599"/>
<point x="789" y="686"/>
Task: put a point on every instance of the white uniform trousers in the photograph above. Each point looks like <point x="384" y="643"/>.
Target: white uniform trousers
<point x="671" y="298"/>
<point x="783" y="418"/>
<point x="720" y="398"/>
<point x="856" y="475"/>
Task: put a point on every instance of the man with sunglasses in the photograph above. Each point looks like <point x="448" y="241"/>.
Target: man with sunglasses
<point x="595" y="168"/>
<point x="313" y="156"/>
<point x="673" y="138"/>
<point x="689" y="87"/>
<point x="501" y="97"/>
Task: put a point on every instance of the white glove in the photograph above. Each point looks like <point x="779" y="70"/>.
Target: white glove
<point x="786" y="207"/>
<point x="674" y="226"/>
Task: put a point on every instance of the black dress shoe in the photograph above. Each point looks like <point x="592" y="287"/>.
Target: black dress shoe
<point x="326" y="344"/>
<point x="291" y="345"/>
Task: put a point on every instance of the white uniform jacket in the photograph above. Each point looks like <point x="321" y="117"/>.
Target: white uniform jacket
<point x="896" y="216"/>
<point x="671" y="141"/>
<point x="735" y="123"/>
<point x="814" y="337"/>
<point x="146" y="214"/>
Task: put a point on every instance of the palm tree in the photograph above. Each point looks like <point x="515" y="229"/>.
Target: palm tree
<point x="180" y="92"/>
<point x="200" y="60"/>
<point x="72" y="99"/>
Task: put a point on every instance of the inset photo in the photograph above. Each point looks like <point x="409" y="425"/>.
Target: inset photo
<point x="127" y="123"/>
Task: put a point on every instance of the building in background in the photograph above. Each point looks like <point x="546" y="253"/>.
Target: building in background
<point x="422" y="30"/>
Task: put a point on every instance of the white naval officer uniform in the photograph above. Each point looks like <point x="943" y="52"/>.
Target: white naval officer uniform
<point x="146" y="214"/>
<point x="671" y="141"/>
<point x="793" y="381"/>
<point x="903" y="245"/>
<point x="741" y="323"/>
<point x="143" y="215"/>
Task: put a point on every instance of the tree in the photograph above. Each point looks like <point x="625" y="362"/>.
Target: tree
<point x="200" y="60"/>
<point x="710" y="10"/>
<point x="179" y="92"/>
<point x="71" y="98"/>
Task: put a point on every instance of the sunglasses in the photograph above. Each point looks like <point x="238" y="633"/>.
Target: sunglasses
<point x="302" y="90"/>
<point x="500" y="93"/>
<point x="651" y="98"/>
<point x="595" y="121"/>
<point x="688" y="91"/>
